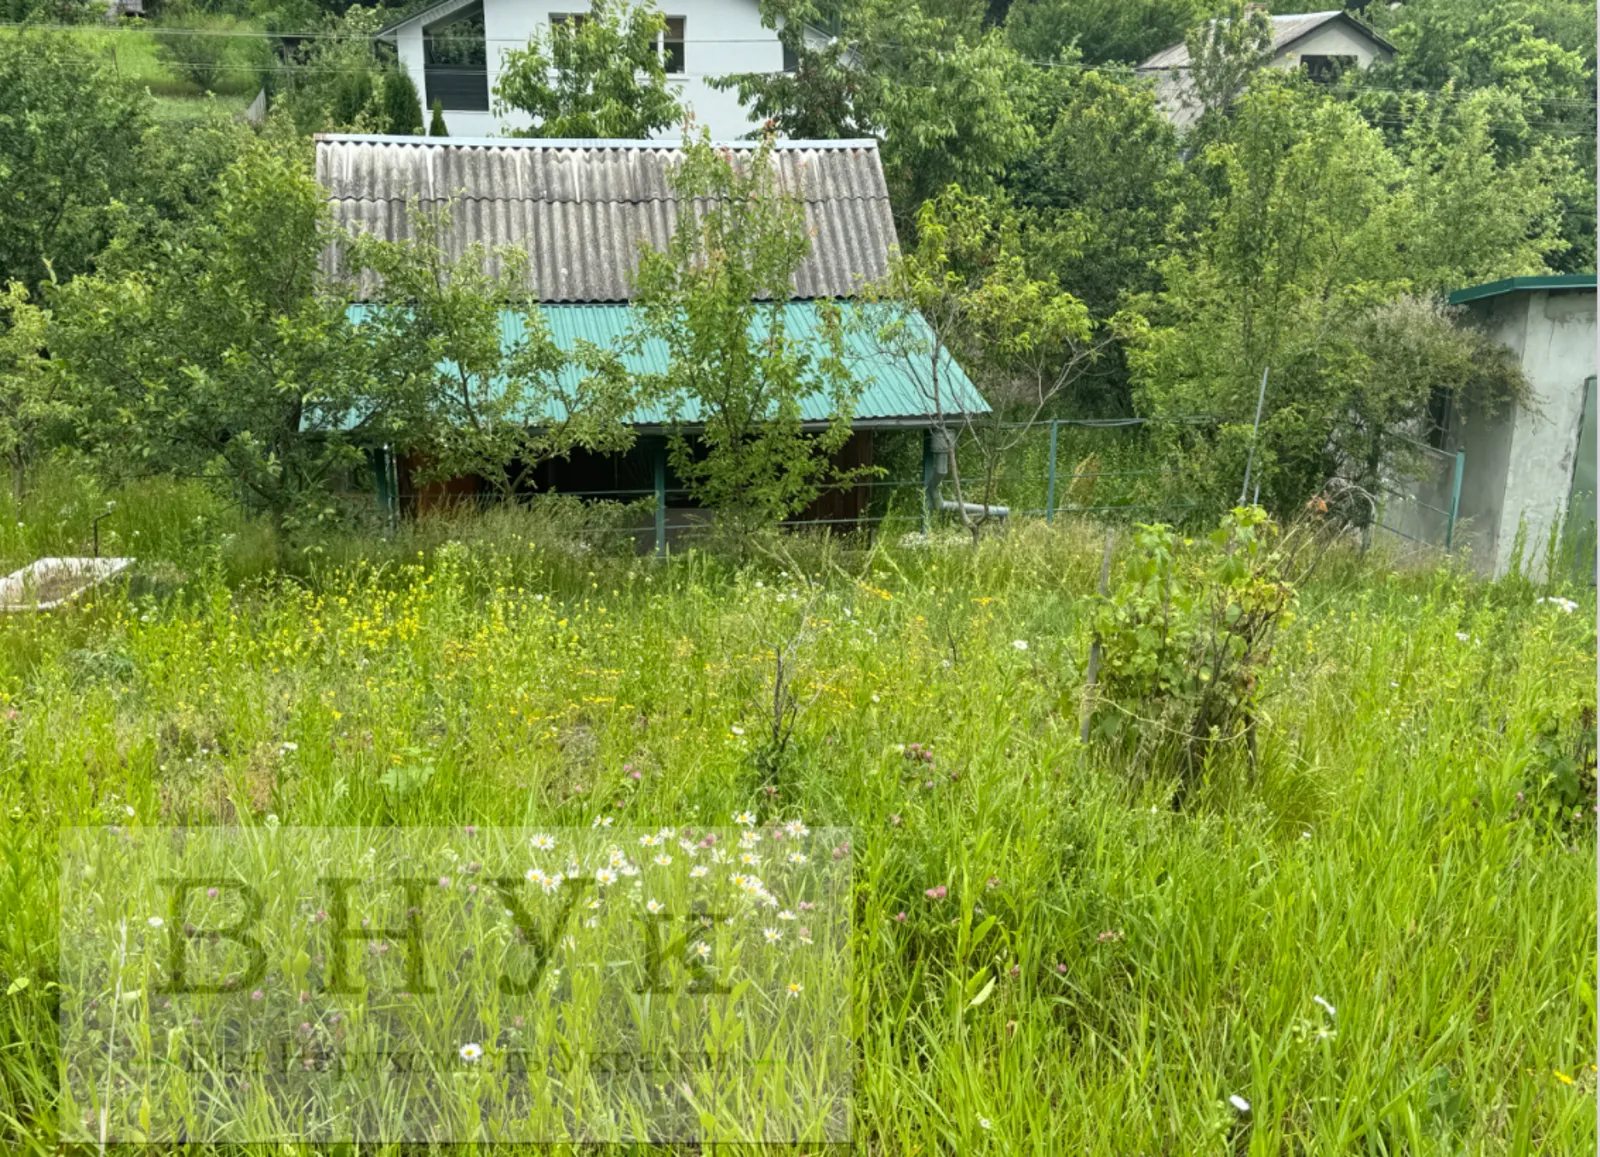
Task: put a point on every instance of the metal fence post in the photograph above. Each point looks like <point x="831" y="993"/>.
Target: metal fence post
<point x="1255" y="432"/>
<point x="1455" y="499"/>
<point x="661" y="497"/>
<point x="1050" y="486"/>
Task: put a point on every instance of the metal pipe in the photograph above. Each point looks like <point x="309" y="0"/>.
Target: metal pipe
<point x="1455" y="500"/>
<point x="1250" y="459"/>
<point x="951" y="506"/>
<point x="1050" y="484"/>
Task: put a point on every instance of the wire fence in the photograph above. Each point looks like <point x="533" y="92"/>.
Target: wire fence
<point x="1104" y="470"/>
<point x="1419" y="499"/>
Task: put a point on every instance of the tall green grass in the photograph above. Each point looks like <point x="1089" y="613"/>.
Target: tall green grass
<point x="1398" y="852"/>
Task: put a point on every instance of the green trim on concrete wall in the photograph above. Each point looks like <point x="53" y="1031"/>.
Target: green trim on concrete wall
<point x="1560" y="282"/>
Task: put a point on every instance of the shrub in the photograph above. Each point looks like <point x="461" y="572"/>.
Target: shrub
<point x="216" y="53"/>
<point x="402" y="107"/>
<point x="1188" y="635"/>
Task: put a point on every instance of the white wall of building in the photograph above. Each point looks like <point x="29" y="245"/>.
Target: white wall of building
<point x="1333" y="39"/>
<point x="1520" y="462"/>
<point x="723" y="37"/>
<point x="1558" y="355"/>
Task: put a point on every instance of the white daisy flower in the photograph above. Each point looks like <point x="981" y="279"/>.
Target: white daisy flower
<point x="786" y="915"/>
<point x="701" y="949"/>
<point x="603" y="821"/>
<point x="698" y="872"/>
<point x="655" y="907"/>
<point x="745" y="820"/>
<point x="798" y="858"/>
<point x="471" y="1052"/>
<point x="1019" y="644"/>
<point x="662" y="860"/>
<point x="795" y="989"/>
<point x="985" y="1123"/>
<point x="543" y="843"/>
<point x="155" y="921"/>
<point x="604" y="876"/>
<point x="771" y="935"/>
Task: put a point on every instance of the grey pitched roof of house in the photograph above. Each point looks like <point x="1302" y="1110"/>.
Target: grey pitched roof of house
<point x="1285" y="31"/>
<point x="583" y="209"/>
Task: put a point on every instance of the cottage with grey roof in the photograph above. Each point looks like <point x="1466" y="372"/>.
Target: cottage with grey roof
<point x="1323" y="44"/>
<point x="583" y="211"/>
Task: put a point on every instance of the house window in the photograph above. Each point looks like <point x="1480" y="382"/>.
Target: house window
<point x="791" y="58"/>
<point x="671" y="45"/>
<point x="669" y="42"/>
<point x="1326" y="69"/>
<point x="455" y="62"/>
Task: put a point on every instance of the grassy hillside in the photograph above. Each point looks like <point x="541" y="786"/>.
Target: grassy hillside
<point x="1381" y="939"/>
<point x="132" y="53"/>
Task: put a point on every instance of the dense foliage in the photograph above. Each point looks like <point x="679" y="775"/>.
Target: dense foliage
<point x="1295" y="228"/>
<point x="739" y="368"/>
<point x="594" y="77"/>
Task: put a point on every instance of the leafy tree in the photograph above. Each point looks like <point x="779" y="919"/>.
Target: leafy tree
<point x="942" y="97"/>
<point x="30" y="401"/>
<point x="1411" y="352"/>
<point x="737" y="377"/>
<point x="1022" y="339"/>
<point x="1104" y="188"/>
<point x="436" y="126"/>
<point x="486" y="404"/>
<point x="228" y="359"/>
<point x="1101" y="31"/>
<point x="1314" y="223"/>
<point x="402" y="107"/>
<point x="1102" y="200"/>
<point x="207" y="49"/>
<point x="1224" y="53"/>
<point x="69" y="130"/>
<point x="1532" y="63"/>
<point x="335" y="82"/>
<point x="599" y="77"/>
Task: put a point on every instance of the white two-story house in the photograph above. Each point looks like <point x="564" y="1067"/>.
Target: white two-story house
<point x="454" y="51"/>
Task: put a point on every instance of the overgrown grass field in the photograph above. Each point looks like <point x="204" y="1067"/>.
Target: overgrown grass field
<point x="1381" y="938"/>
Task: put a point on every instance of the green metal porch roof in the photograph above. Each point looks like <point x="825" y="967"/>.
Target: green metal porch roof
<point x="892" y="392"/>
<point x="1560" y="282"/>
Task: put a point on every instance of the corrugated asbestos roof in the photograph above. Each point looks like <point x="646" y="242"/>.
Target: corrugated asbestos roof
<point x="892" y="392"/>
<point x="583" y="209"/>
<point x="1285" y="31"/>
